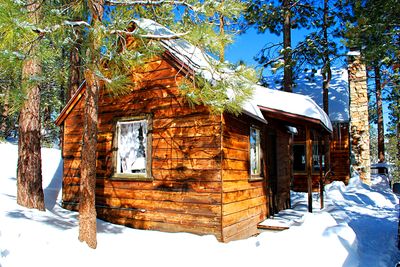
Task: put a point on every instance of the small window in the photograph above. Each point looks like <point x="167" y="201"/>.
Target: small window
<point x="255" y="152"/>
<point x="132" y="151"/>
<point x="316" y="158"/>
<point x="299" y="157"/>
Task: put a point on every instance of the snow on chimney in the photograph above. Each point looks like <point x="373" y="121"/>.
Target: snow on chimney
<point x="359" y="124"/>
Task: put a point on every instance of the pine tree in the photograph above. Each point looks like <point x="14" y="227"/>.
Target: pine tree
<point x="26" y="50"/>
<point x="279" y="17"/>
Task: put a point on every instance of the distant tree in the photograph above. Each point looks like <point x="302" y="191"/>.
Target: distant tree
<point x="280" y="17"/>
<point x="375" y="30"/>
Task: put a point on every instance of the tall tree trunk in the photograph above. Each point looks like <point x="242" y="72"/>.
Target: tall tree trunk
<point x="222" y="32"/>
<point x="287" y="46"/>
<point x="326" y="69"/>
<point x="75" y="62"/>
<point x="4" y="114"/>
<point x="29" y="170"/>
<point x="87" y="209"/>
<point x="378" y="94"/>
<point x="398" y="141"/>
<point x="327" y="77"/>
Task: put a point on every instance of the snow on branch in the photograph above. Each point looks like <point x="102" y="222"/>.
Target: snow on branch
<point x="151" y="36"/>
<point x="76" y="23"/>
<point x="148" y="2"/>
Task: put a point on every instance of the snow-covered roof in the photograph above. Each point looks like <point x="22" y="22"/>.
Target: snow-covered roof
<point x="193" y="57"/>
<point x="202" y="63"/>
<point x="290" y="103"/>
<point x="311" y="85"/>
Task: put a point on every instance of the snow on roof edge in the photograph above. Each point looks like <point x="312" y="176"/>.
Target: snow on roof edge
<point x="200" y="61"/>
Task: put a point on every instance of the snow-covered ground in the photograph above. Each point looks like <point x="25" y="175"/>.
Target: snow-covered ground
<point x="358" y="227"/>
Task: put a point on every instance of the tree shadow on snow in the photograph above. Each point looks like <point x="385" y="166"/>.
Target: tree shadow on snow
<point x="59" y="218"/>
<point x="53" y="189"/>
<point x="63" y="220"/>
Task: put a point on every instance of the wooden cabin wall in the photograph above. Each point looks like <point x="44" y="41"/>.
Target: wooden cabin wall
<point x="185" y="193"/>
<point x="244" y="202"/>
<point x="340" y="152"/>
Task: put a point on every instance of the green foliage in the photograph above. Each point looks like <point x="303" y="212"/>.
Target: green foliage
<point x="104" y="49"/>
<point x="228" y="93"/>
<point x="375" y="29"/>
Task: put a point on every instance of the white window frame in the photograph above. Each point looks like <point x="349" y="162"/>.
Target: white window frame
<point x="117" y="173"/>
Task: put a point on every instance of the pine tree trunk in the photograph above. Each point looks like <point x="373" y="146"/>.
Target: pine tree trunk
<point x="4" y="131"/>
<point x="287" y="46"/>
<point x="378" y="94"/>
<point x="75" y="74"/>
<point x="398" y="141"/>
<point x="326" y="69"/>
<point x="87" y="209"/>
<point x="29" y="170"/>
<point x="222" y="32"/>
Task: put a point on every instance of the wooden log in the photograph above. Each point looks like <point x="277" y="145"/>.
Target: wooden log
<point x="229" y="197"/>
<point x="243" y="205"/>
<point x="164" y="217"/>
<point x="157" y="195"/>
<point x="243" y="215"/>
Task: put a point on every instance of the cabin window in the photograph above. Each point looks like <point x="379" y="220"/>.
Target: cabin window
<point x="132" y="151"/>
<point x="299" y="157"/>
<point x="316" y="151"/>
<point x="255" y="152"/>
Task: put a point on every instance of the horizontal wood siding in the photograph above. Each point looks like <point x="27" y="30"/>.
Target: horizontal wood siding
<point x="243" y="202"/>
<point x="185" y="193"/>
<point x="340" y="152"/>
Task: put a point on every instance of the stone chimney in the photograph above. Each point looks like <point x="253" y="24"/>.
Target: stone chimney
<point x="359" y="124"/>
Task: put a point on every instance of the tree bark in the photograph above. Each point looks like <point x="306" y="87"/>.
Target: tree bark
<point x="75" y="72"/>
<point x="326" y="69"/>
<point x="222" y="32"/>
<point x="87" y="209"/>
<point x="29" y="170"/>
<point x="378" y="94"/>
<point x="287" y="46"/>
<point x="4" y="131"/>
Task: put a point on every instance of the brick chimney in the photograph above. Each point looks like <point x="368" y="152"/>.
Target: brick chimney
<point x="359" y="124"/>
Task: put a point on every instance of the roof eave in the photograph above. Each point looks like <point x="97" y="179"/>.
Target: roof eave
<point x="70" y="105"/>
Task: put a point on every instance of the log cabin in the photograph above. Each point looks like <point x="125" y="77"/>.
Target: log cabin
<point x="166" y="165"/>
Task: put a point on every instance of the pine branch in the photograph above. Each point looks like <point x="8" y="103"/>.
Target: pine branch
<point x="149" y="2"/>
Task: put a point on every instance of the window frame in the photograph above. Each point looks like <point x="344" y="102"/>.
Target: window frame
<point x="147" y="176"/>
<point x="314" y="168"/>
<point x="305" y="157"/>
<point x="259" y="175"/>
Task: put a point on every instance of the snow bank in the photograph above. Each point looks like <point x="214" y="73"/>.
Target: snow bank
<point x="358" y="228"/>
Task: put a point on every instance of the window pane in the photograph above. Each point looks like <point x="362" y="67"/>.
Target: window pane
<point x="316" y="158"/>
<point x="255" y="162"/>
<point x="131" y="157"/>
<point x="299" y="157"/>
